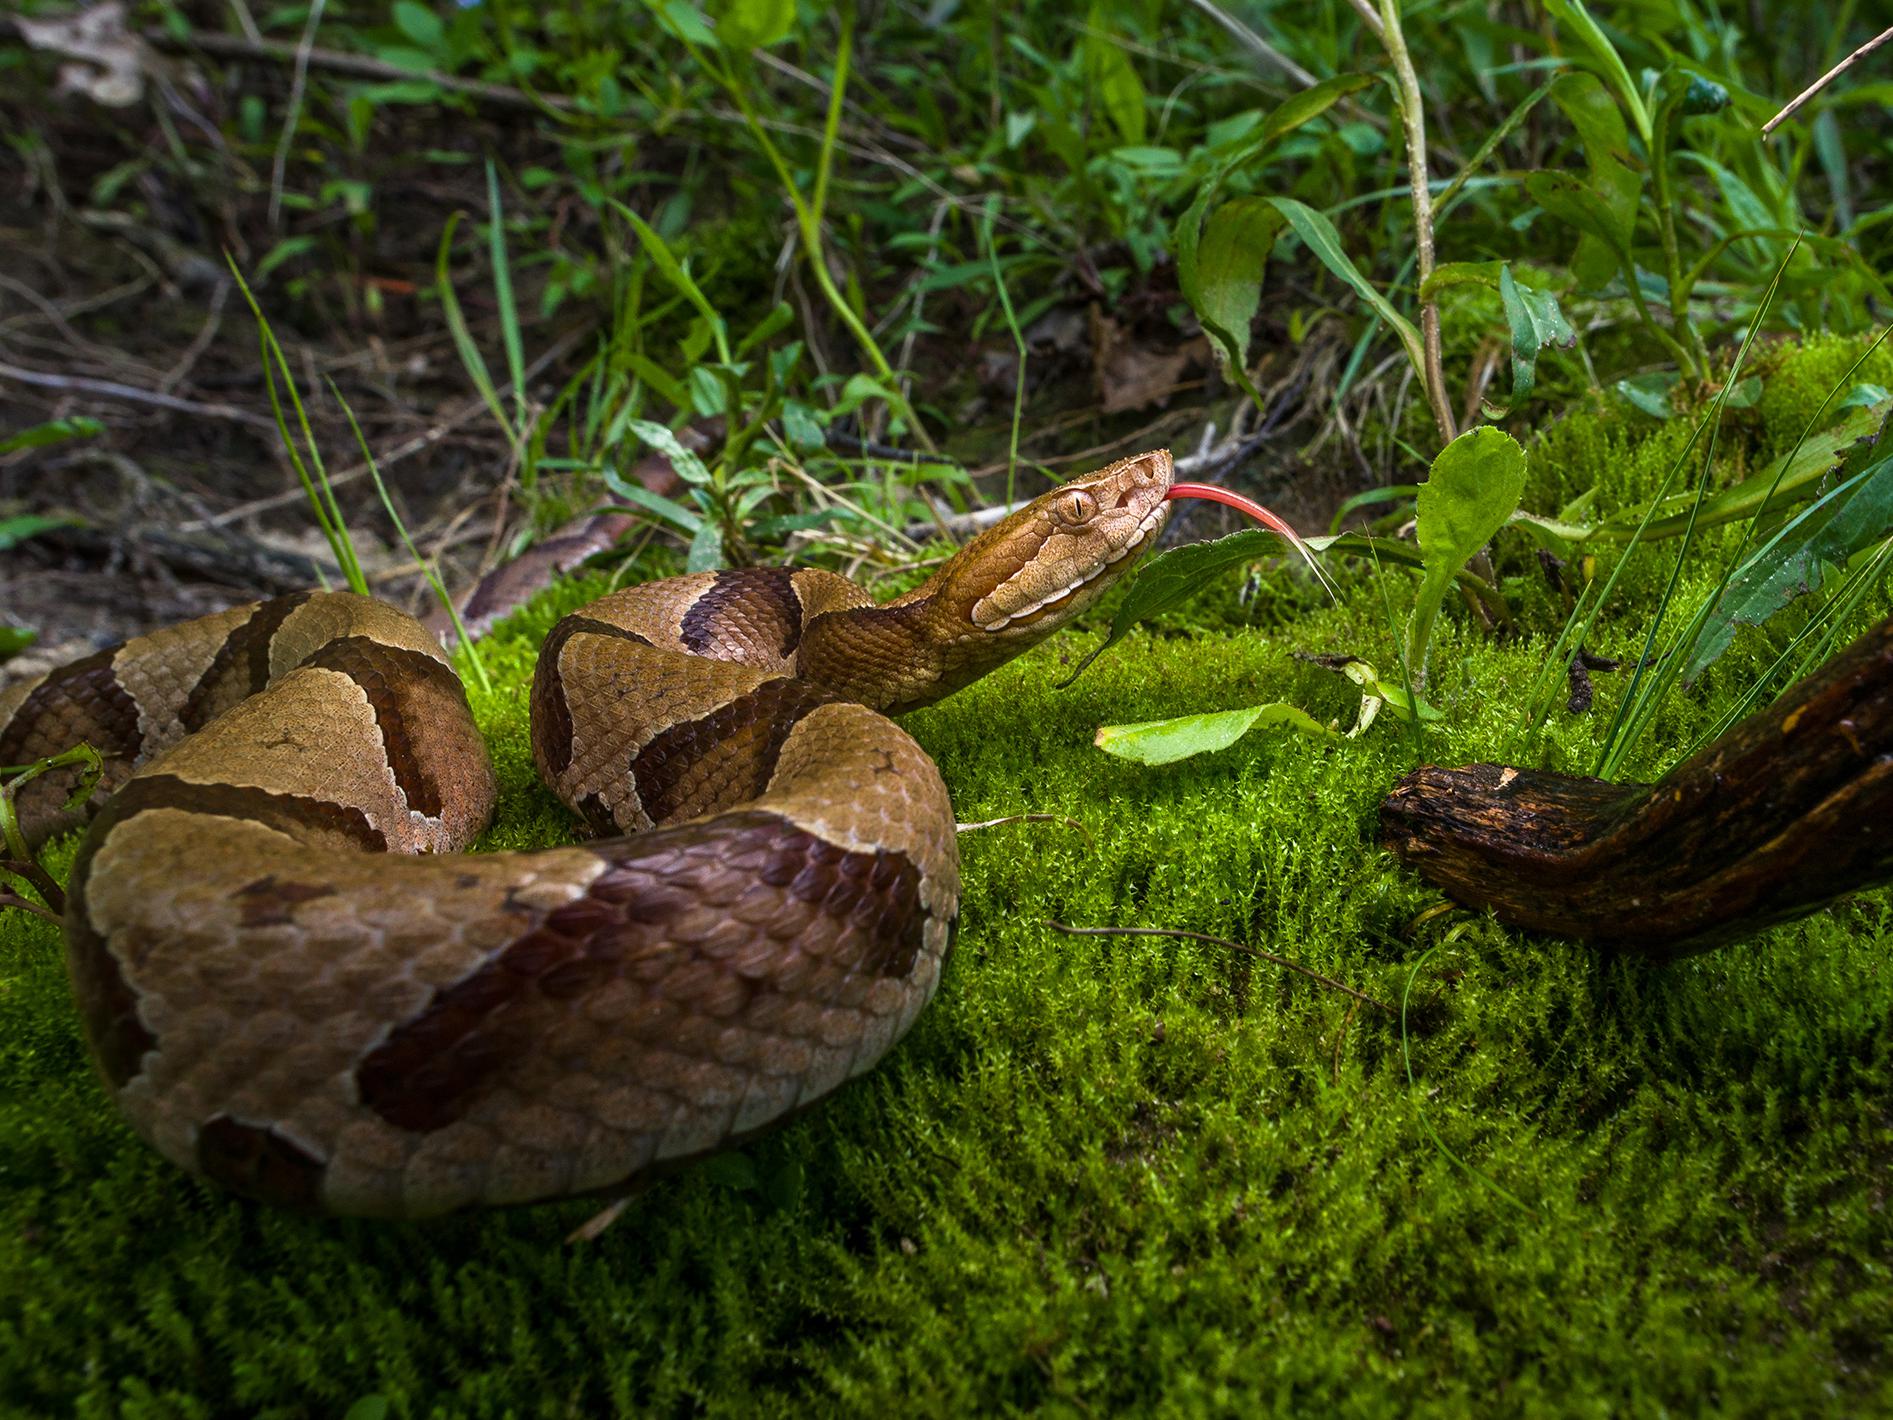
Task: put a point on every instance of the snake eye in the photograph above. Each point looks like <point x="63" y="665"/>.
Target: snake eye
<point x="1074" y="507"/>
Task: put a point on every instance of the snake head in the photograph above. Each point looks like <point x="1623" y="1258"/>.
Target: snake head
<point x="1029" y="575"/>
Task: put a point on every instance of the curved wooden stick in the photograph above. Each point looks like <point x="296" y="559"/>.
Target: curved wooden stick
<point x="1790" y="809"/>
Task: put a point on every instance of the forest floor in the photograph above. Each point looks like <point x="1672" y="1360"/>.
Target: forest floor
<point x="1107" y="1175"/>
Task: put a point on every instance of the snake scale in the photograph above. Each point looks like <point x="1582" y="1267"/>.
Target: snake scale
<point x="295" y="984"/>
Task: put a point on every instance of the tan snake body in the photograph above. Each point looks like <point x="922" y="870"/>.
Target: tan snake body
<point x="295" y="984"/>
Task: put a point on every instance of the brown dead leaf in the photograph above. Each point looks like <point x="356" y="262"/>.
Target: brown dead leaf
<point x="1133" y="374"/>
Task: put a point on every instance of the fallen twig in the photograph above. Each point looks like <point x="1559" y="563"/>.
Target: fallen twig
<point x="111" y="389"/>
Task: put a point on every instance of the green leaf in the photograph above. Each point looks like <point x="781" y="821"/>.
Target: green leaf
<point x="1166" y="741"/>
<point x="56" y="431"/>
<point x="1536" y="321"/>
<point x="1449" y="274"/>
<point x="15" y="639"/>
<point x="801" y="426"/>
<point x="14" y="531"/>
<point x="1613" y="183"/>
<point x="1225" y="279"/>
<point x="1172" y="577"/>
<point x="682" y="19"/>
<point x="1309" y="105"/>
<point x="1473" y="487"/>
<point x="284" y="250"/>
<point x="1574" y="202"/>
<point x="636" y="494"/>
<point x="1575" y="20"/>
<point x="1320" y="237"/>
<point x="673" y="272"/>
<point x="1783" y="482"/>
<point x="503" y="293"/>
<point x="1650" y="393"/>
<point x="1112" y="80"/>
<point x="419" y="24"/>
<point x="1363" y="674"/>
<point x="706" y="549"/>
<point x="659" y="436"/>
<point x="753" y="24"/>
<point x="1794" y="562"/>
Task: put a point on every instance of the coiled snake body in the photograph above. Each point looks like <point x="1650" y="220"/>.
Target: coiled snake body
<point x="296" y="985"/>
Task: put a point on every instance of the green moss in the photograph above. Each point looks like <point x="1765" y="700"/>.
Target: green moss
<point x="1102" y="1174"/>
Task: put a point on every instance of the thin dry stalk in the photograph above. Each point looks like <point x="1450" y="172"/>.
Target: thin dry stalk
<point x="1829" y="77"/>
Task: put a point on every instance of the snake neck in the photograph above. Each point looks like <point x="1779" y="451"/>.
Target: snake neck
<point x="896" y="657"/>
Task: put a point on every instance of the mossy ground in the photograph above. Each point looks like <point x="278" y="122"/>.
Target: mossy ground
<point x="1105" y="1174"/>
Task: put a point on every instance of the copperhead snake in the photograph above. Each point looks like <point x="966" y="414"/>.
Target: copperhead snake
<point x="295" y="984"/>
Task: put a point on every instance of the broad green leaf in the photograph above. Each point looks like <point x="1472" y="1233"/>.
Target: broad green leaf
<point x="1794" y="562"/>
<point x="706" y="549"/>
<point x="15" y="639"/>
<point x="1226" y="274"/>
<point x="708" y="394"/>
<point x="1574" y="202"/>
<point x="1595" y="116"/>
<point x="56" y="431"/>
<point x="1220" y="268"/>
<point x="1473" y="487"/>
<point x="1171" y="577"/>
<point x="659" y="436"/>
<point x="684" y="20"/>
<point x="801" y="426"/>
<point x="1318" y="234"/>
<point x="753" y="24"/>
<point x="1113" y="82"/>
<point x="1536" y="322"/>
<point x="419" y="24"/>
<point x="1615" y="186"/>
<point x="1166" y="741"/>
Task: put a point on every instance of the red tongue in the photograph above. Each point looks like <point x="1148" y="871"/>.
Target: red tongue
<point x="1224" y="496"/>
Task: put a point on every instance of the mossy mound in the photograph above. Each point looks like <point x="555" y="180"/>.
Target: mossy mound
<point x="1103" y="1174"/>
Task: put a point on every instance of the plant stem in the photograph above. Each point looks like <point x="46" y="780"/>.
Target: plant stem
<point x="1698" y="363"/>
<point x="1413" y="120"/>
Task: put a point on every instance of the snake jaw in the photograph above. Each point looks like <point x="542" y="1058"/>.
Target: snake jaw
<point x="1052" y="602"/>
<point x="1033" y="572"/>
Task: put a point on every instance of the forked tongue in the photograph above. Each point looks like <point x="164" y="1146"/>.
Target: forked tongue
<point x="1210" y="492"/>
